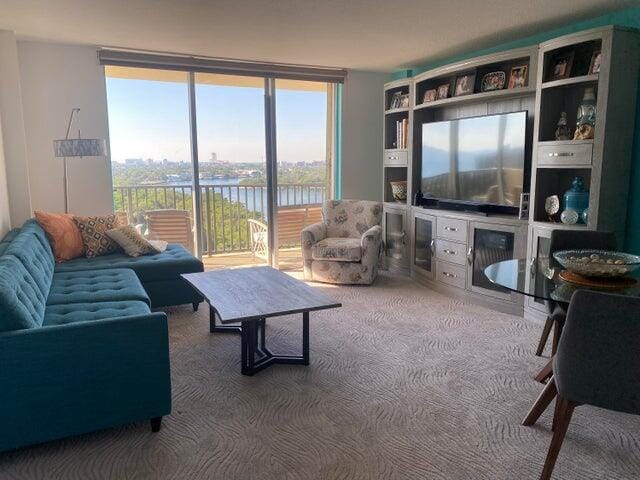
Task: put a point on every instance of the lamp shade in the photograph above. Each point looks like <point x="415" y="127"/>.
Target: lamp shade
<point x="80" y="147"/>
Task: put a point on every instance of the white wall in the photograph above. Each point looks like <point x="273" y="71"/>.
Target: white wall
<point x="362" y="135"/>
<point x="56" y="78"/>
<point x="14" y="140"/>
<point x="5" y="213"/>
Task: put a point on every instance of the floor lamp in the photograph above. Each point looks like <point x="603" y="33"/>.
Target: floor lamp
<point x="76" y="147"/>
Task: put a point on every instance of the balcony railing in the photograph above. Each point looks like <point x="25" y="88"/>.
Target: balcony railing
<point x="226" y="209"/>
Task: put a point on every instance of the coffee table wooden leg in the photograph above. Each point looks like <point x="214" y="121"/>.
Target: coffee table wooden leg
<point x="305" y="338"/>
<point x="213" y="328"/>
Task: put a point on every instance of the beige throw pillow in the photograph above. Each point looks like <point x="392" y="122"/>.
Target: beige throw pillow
<point x="131" y="241"/>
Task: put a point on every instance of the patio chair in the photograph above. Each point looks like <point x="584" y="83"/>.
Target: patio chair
<point x="173" y="226"/>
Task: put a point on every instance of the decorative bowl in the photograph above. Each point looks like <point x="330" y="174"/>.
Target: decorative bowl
<point x="597" y="263"/>
<point x="399" y="190"/>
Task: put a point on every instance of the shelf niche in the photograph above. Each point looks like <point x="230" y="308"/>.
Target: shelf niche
<point x="566" y="98"/>
<point x="556" y="181"/>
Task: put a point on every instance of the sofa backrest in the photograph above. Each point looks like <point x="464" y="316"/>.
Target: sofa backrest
<point x="6" y="240"/>
<point x="350" y="218"/>
<point x="26" y="272"/>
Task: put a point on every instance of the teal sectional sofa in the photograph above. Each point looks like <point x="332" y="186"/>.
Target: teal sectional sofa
<point x="80" y="348"/>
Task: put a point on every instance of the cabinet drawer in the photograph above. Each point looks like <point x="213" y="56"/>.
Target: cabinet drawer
<point x="565" y="154"/>
<point x="451" y="252"/>
<point x="452" y="229"/>
<point x="396" y="158"/>
<point x="451" y="274"/>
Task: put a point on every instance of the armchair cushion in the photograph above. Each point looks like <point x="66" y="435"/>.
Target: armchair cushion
<point x="350" y="218"/>
<point x="338" y="249"/>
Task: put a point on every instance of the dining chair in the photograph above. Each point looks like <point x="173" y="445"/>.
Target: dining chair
<point x="597" y="363"/>
<point x="568" y="240"/>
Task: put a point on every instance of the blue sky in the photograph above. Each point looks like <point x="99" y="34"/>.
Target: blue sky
<point x="149" y="119"/>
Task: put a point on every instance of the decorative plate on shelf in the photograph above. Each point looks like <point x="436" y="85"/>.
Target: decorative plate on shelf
<point x="597" y="263"/>
<point x="493" y="81"/>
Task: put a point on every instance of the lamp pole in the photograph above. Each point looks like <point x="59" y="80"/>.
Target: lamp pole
<point x="64" y="161"/>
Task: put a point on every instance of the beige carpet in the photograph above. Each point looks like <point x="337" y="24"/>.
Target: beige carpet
<point x="403" y="383"/>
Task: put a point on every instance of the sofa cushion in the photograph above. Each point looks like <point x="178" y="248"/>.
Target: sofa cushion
<point x="22" y="303"/>
<point x="94" y="234"/>
<point x="131" y="241"/>
<point x="63" y="234"/>
<point x="96" y="286"/>
<point x="85" y="312"/>
<point x="167" y="265"/>
<point x="338" y="249"/>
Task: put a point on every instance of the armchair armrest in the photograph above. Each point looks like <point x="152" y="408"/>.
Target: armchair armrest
<point x="69" y="379"/>
<point x="311" y="235"/>
<point x="371" y="243"/>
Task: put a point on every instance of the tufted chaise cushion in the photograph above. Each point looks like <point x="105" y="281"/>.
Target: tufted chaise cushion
<point x="96" y="286"/>
<point x="87" y="312"/>
<point x="161" y="266"/>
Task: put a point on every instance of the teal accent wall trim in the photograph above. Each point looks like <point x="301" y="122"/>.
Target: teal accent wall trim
<point x="400" y="74"/>
<point x="337" y="154"/>
<point x="626" y="18"/>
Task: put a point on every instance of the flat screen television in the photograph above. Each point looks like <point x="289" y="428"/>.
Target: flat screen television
<point x="477" y="160"/>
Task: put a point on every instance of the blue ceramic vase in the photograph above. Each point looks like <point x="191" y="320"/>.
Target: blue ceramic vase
<point x="577" y="197"/>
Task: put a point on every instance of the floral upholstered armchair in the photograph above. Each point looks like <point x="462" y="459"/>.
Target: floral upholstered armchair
<point x="345" y="246"/>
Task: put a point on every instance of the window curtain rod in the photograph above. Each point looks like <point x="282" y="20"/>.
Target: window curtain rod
<point x="126" y="58"/>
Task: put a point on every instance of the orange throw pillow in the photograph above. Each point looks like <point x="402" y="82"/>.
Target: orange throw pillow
<point x="63" y="233"/>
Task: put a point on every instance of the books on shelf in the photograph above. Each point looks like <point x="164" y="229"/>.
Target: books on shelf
<point x="402" y="130"/>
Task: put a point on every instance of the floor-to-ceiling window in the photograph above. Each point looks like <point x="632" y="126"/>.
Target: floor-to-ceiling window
<point x="195" y="146"/>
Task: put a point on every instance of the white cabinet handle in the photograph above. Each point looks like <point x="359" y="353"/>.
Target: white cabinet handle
<point x="532" y="267"/>
<point x="561" y="154"/>
<point x="451" y="229"/>
<point x="450" y="275"/>
<point x="470" y="255"/>
<point x="450" y="252"/>
<point x="433" y="246"/>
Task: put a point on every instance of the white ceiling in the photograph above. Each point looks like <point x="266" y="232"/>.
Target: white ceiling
<point x="362" y="34"/>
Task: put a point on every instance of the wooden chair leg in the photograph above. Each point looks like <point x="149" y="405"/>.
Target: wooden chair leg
<point x="545" y="336"/>
<point x="563" y="414"/>
<point x="547" y="395"/>
<point x="557" y="332"/>
<point x="546" y="372"/>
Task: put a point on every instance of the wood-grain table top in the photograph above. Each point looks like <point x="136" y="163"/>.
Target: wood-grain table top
<point x="243" y="294"/>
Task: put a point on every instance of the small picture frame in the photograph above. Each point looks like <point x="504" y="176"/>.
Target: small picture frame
<point x="561" y="65"/>
<point x="493" y="81"/>
<point x="430" y="96"/>
<point x="596" y="61"/>
<point x="443" y="91"/>
<point x="404" y="101"/>
<point x="465" y="84"/>
<point x="518" y="76"/>
<point x="395" y="100"/>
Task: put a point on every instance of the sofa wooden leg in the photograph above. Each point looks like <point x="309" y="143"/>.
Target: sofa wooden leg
<point x="156" y="422"/>
<point x="195" y="306"/>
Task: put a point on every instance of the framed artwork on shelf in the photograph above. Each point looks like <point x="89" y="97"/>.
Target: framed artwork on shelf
<point x="465" y="84"/>
<point x="395" y="100"/>
<point x="443" y="91"/>
<point x="596" y="60"/>
<point x="430" y="96"/>
<point x="404" y="101"/>
<point x="518" y="76"/>
<point x="560" y="66"/>
<point x="493" y="81"/>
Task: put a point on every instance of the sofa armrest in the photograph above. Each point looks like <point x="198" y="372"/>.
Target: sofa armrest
<point x="311" y="235"/>
<point x="371" y="243"/>
<point x="69" y="379"/>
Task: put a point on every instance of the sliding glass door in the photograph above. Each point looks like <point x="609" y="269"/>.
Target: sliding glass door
<point x="231" y="166"/>
<point x="302" y="165"/>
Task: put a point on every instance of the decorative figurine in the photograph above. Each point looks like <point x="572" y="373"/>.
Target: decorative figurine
<point x="576" y="198"/>
<point x="552" y="207"/>
<point x="563" y="132"/>
<point x="585" y="216"/>
<point x="586" y="117"/>
<point x="569" y="216"/>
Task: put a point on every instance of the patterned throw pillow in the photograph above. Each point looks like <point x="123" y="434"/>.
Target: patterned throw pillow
<point x="131" y="241"/>
<point x="63" y="234"/>
<point x="94" y="234"/>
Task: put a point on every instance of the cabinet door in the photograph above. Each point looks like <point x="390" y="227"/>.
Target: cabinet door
<point x="538" y="261"/>
<point x="395" y="236"/>
<point x="423" y="246"/>
<point x="488" y="244"/>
